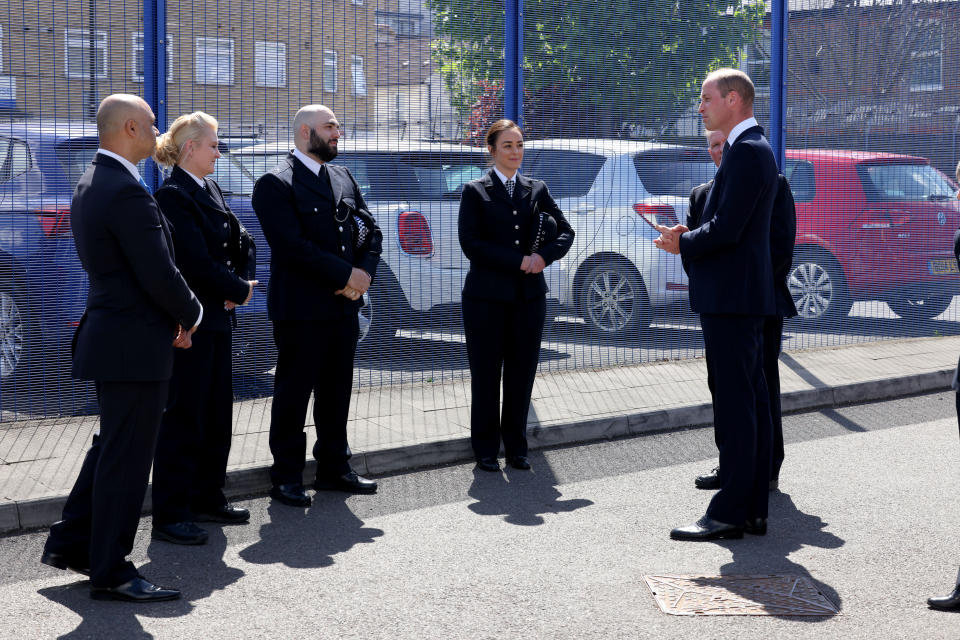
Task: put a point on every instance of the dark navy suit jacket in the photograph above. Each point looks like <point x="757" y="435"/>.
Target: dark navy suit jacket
<point x="728" y="255"/>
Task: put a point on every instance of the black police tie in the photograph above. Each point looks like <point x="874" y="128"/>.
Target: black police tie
<point x="509" y="187"/>
<point x="726" y="147"/>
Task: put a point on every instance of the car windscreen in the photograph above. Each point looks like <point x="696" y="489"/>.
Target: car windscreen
<point x="674" y="172"/>
<point x="75" y="158"/>
<point x="904" y="182"/>
<point x="568" y="173"/>
<point x="232" y="178"/>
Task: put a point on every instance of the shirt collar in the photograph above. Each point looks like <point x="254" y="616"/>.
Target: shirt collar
<point x="199" y="181"/>
<point x="740" y="128"/>
<point x="129" y="166"/>
<point x="504" y="178"/>
<point x="308" y="162"/>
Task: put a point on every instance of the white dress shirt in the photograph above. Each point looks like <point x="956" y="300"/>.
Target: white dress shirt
<point x="740" y="128"/>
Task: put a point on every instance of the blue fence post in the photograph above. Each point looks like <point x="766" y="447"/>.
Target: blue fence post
<point x="155" y="71"/>
<point x="513" y="61"/>
<point x="778" y="78"/>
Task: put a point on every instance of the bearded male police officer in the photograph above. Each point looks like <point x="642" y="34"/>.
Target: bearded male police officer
<point x="325" y="247"/>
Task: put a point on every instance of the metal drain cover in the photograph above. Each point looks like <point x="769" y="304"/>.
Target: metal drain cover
<point x="782" y="595"/>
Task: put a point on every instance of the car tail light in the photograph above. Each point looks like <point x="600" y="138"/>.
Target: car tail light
<point x="414" y="232"/>
<point x="654" y="214"/>
<point x="54" y="222"/>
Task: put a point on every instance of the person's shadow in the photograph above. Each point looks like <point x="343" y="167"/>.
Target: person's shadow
<point x="521" y="497"/>
<point x="309" y="538"/>
<point x="790" y="530"/>
<point x="198" y="572"/>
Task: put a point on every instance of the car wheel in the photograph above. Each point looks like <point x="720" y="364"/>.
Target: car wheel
<point x="818" y="288"/>
<point x="913" y="308"/>
<point x="613" y="300"/>
<point x="14" y="346"/>
<point x="382" y="315"/>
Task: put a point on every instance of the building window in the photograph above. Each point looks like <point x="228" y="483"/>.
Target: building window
<point x="926" y="61"/>
<point x="76" y="53"/>
<point x="270" y="64"/>
<point x="755" y="62"/>
<point x="136" y="40"/>
<point x="359" y="3"/>
<point x="356" y="74"/>
<point x="213" y="61"/>
<point x="330" y="71"/>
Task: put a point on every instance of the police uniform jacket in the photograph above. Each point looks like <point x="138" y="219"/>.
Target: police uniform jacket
<point x="216" y="255"/>
<point x="312" y="228"/>
<point x="495" y="232"/>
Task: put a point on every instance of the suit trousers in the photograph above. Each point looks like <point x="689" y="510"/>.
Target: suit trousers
<point x="501" y="337"/>
<point x="741" y="415"/>
<point x="772" y="340"/>
<point x="194" y="441"/>
<point x="102" y="511"/>
<point x="312" y="357"/>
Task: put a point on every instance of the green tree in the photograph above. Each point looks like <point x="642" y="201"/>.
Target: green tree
<point x="592" y="66"/>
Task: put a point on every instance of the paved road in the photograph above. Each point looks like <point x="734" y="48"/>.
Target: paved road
<point x="867" y="509"/>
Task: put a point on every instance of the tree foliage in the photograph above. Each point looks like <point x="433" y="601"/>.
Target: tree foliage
<point x="590" y="67"/>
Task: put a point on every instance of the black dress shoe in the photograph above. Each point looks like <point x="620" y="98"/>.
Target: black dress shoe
<point x="349" y="482"/>
<point x="519" y="462"/>
<point x="179" y="533"/>
<point x="755" y="526"/>
<point x="63" y="561"/>
<point x="946" y="603"/>
<point x="290" y="494"/>
<point x="225" y="514"/>
<point x="708" y="480"/>
<point x="706" y="528"/>
<point x="488" y="464"/>
<point x="136" y="590"/>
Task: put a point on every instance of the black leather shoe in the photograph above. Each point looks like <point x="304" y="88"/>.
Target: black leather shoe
<point x="519" y="462"/>
<point x="179" y="533"/>
<point x="488" y="464"/>
<point x="946" y="603"/>
<point x="226" y="514"/>
<point x="349" y="482"/>
<point x="707" y="528"/>
<point x="65" y="562"/>
<point x="290" y="494"/>
<point x="708" y="480"/>
<point x="136" y="590"/>
<point x="755" y="526"/>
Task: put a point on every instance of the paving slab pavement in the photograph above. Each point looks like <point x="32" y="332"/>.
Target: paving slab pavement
<point x="401" y="427"/>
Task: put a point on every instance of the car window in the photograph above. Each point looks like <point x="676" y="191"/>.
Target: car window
<point x="231" y="177"/>
<point x="890" y="182"/>
<point x="75" y="157"/>
<point x="674" y="172"/>
<point x="258" y="164"/>
<point x="14" y="159"/>
<point x="799" y="174"/>
<point x="439" y="176"/>
<point x="568" y="173"/>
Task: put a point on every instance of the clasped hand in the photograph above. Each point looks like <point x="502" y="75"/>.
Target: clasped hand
<point x="230" y="304"/>
<point x="533" y="264"/>
<point x="669" y="239"/>
<point x="356" y="286"/>
<point x="183" y="339"/>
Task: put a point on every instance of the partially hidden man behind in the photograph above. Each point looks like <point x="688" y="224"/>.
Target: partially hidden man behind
<point x="137" y="305"/>
<point x="731" y="287"/>
<point x="783" y="232"/>
<point x="324" y="247"/>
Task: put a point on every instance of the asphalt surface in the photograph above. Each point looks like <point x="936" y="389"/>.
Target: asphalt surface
<point x="866" y="508"/>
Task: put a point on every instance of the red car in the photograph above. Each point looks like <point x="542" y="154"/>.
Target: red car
<point x="871" y="226"/>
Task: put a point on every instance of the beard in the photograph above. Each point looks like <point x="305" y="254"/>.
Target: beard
<point x="321" y="148"/>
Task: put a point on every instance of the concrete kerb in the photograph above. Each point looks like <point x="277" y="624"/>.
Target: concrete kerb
<point x="36" y="513"/>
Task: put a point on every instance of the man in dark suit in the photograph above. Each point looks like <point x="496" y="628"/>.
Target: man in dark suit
<point x="783" y="231"/>
<point x="137" y="305"/>
<point x="731" y="287"/>
<point x="325" y="247"/>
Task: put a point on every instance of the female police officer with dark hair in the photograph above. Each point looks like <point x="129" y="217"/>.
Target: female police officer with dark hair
<point x="510" y="229"/>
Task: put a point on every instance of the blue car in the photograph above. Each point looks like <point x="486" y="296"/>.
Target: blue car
<point x="43" y="287"/>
